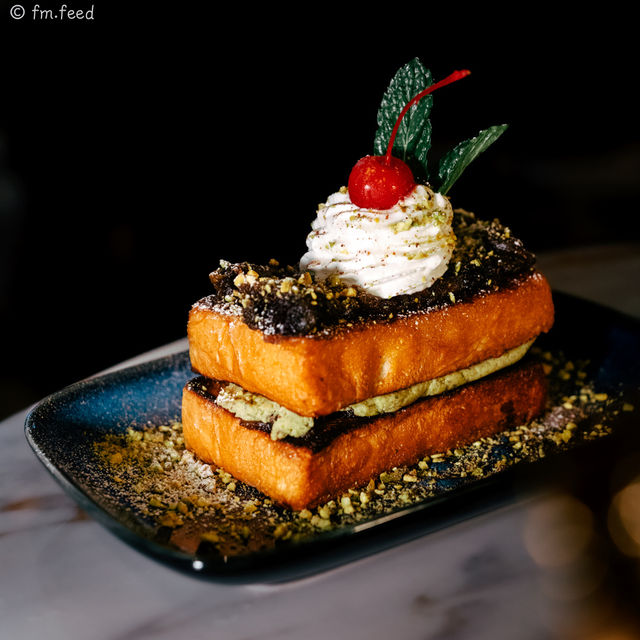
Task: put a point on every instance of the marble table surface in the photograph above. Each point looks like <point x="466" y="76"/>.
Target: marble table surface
<point x="63" y="576"/>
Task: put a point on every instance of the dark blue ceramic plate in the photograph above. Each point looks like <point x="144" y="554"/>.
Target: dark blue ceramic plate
<point x="62" y="427"/>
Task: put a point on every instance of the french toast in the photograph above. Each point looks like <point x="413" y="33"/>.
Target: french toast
<point x="350" y="346"/>
<point x="344" y="450"/>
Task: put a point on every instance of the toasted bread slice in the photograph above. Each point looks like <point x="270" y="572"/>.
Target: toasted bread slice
<point x="317" y="375"/>
<point x="343" y="451"/>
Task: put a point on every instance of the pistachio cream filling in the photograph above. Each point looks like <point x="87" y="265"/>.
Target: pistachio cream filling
<point x="390" y="402"/>
<point x="252" y="407"/>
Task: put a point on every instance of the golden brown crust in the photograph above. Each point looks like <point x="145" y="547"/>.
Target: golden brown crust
<point x="299" y="477"/>
<point x="316" y="376"/>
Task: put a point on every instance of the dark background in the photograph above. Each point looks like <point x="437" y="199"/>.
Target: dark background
<point x="139" y="148"/>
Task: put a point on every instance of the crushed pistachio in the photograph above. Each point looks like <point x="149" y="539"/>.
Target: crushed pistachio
<point x="239" y="279"/>
<point x="345" y="503"/>
<point x="251" y="276"/>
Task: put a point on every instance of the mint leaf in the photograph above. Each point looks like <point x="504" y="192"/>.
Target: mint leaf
<point x="459" y="158"/>
<point x="413" y="140"/>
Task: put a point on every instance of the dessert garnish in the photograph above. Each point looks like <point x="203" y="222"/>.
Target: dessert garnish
<point x="412" y="140"/>
<point x="390" y="231"/>
<point x="378" y="182"/>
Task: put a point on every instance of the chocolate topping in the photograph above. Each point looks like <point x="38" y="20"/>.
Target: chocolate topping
<point x="282" y="301"/>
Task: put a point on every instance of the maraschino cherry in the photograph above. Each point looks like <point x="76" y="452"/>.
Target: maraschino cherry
<point x="379" y="182"/>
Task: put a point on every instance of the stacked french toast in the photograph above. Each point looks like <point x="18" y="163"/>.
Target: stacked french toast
<point x="402" y="332"/>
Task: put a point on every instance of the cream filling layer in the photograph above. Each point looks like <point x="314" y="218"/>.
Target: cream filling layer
<point x="252" y="407"/>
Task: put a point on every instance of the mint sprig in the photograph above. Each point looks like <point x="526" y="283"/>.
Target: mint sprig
<point x="413" y="140"/>
<point x="458" y="159"/>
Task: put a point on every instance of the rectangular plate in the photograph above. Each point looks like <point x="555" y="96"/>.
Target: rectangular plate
<point x="63" y="428"/>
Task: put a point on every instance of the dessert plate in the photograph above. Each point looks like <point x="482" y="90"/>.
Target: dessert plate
<point x="63" y="430"/>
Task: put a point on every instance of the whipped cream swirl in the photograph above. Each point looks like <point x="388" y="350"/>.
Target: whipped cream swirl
<point x="388" y="252"/>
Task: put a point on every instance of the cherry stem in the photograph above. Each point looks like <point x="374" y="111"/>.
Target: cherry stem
<point x="456" y="75"/>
